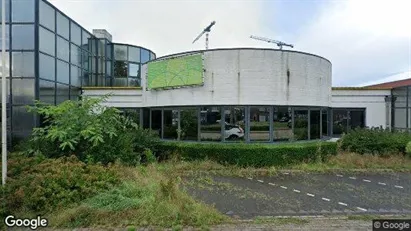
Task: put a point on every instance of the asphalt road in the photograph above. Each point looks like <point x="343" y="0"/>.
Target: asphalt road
<point x="297" y="194"/>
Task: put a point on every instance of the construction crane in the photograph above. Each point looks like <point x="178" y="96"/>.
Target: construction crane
<point x="206" y="31"/>
<point x="279" y="43"/>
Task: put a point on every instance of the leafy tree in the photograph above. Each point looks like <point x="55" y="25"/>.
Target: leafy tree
<point x="90" y="131"/>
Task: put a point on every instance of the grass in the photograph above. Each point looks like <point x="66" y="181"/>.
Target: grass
<point x="149" y="196"/>
<point x="352" y="161"/>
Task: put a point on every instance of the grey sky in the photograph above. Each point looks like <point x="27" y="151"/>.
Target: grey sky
<point x="366" y="40"/>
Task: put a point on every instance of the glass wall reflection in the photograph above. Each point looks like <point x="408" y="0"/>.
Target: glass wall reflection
<point x="259" y="123"/>
<point x="210" y="124"/>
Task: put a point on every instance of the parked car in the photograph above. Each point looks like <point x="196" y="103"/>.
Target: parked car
<point x="232" y="132"/>
<point x="284" y="119"/>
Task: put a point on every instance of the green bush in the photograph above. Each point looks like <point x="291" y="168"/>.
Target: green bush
<point x="89" y="130"/>
<point x="256" y="155"/>
<point x="43" y="185"/>
<point x="375" y="141"/>
<point x="408" y="149"/>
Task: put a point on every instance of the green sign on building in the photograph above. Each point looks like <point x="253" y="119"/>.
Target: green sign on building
<point x="175" y="72"/>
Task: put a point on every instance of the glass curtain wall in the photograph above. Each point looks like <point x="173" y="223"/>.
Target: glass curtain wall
<point x="346" y="119"/>
<point x="401" y="108"/>
<point x="209" y="124"/>
<point x="210" y="127"/>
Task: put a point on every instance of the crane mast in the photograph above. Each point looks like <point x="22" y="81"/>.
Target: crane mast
<point x="206" y="31"/>
<point x="279" y="43"/>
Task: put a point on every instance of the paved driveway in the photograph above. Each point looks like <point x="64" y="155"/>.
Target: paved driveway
<point x="297" y="194"/>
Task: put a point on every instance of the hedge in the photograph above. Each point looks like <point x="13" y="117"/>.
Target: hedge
<point x="255" y="155"/>
<point x="375" y="141"/>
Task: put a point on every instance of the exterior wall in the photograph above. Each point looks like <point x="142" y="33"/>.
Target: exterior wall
<point x="119" y="97"/>
<point x="378" y="112"/>
<point x="252" y="77"/>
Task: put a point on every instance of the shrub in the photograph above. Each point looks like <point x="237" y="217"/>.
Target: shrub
<point x="256" y="155"/>
<point x="90" y="131"/>
<point x="43" y="185"/>
<point x="408" y="149"/>
<point x="375" y="141"/>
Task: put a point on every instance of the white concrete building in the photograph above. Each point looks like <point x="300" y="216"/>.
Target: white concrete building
<point x="251" y="94"/>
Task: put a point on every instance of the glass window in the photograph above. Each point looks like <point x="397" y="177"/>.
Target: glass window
<point x="340" y="121"/>
<point x="47" y="16"/>
<point x="259" y="123"/>
<point x="63" y="49"/>
<point x="63" y="74"/>
<point x="23" y="121"/>
<point x="188" y="124"/>
<point x="23" y="64"/>
<point x="85" y="37"/>
<point x="63" y="93"/>
<point x="325" y="122"/>
<point x="357" y="119"/>
<point x="47" y="41"/>
<point x="170" y="122"/>
<point x="400" y="96"/>
<point x="63" y="26"/>
<point x="74" y="93"/>
<point x="47" y="91"/>
<point x="134" y="54"/>
<point x="47" y="67"/>
<point x="134" y="70"/>
<point x="7" y="11"/>
<point x="152" y="56"/>
<point x="109" y="48"/>
<point x="23" y="11"/>
<point x="120" y="82"/>
<point x="75" y="55"/>
<point x="282" y="124"/>
<point x="301" y="124"/>
<point x="134" y="82"/>
<point x="108" y="64"/>
<point x="210" y="129"/>
<point x="85" y="60"/>
<point x="234" y="123"/>
<point x="145" y="55"/>
<point x="22" y="91"/>
<point x="7" y="37"/>
<point x="315" y="122"/>
<point x="120" y="52"/>
<point x="120" y="69"/>
<point x="156" y="121"/>
<point x="75" y="34"/>
<point x="23" y="37"/>
<point x="400" y="118"/>
<point x="75" y="76"/>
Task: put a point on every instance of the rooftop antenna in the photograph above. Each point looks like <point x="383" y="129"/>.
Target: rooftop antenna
<point x="206" y="31"/>
<point x="279" y="43"/>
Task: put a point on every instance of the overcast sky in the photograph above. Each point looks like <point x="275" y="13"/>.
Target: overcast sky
<point x="365" y="40"/>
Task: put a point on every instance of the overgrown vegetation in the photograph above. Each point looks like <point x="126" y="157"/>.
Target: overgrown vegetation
<point x="375" y="141"/>
<point x="91" y="132"/>
<point x="71" y="194"/>
<point x="256" y="155"/>
<point x="39" y="186"/>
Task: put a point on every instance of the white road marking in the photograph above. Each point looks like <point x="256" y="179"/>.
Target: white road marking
<point x="340" y="175"/>
<point x="297" y="191"/>
<point x="311" y="195"/>
<point x="344" y="204"/>
<point x="260" y="181"/>
<point x="382" y="183"/>
<point x="362" y="209"/>
<point x="352" y="178"/>
<point x="272" y="184"/>
<point x="283" y="187"/>
<point x="366" y="181"/>
<point x="397" y="186"/>
<point x="326" y="199"/>
<point x="249" y="178"/>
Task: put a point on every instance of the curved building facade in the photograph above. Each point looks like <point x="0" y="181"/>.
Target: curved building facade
<point x="251" y="77"/>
